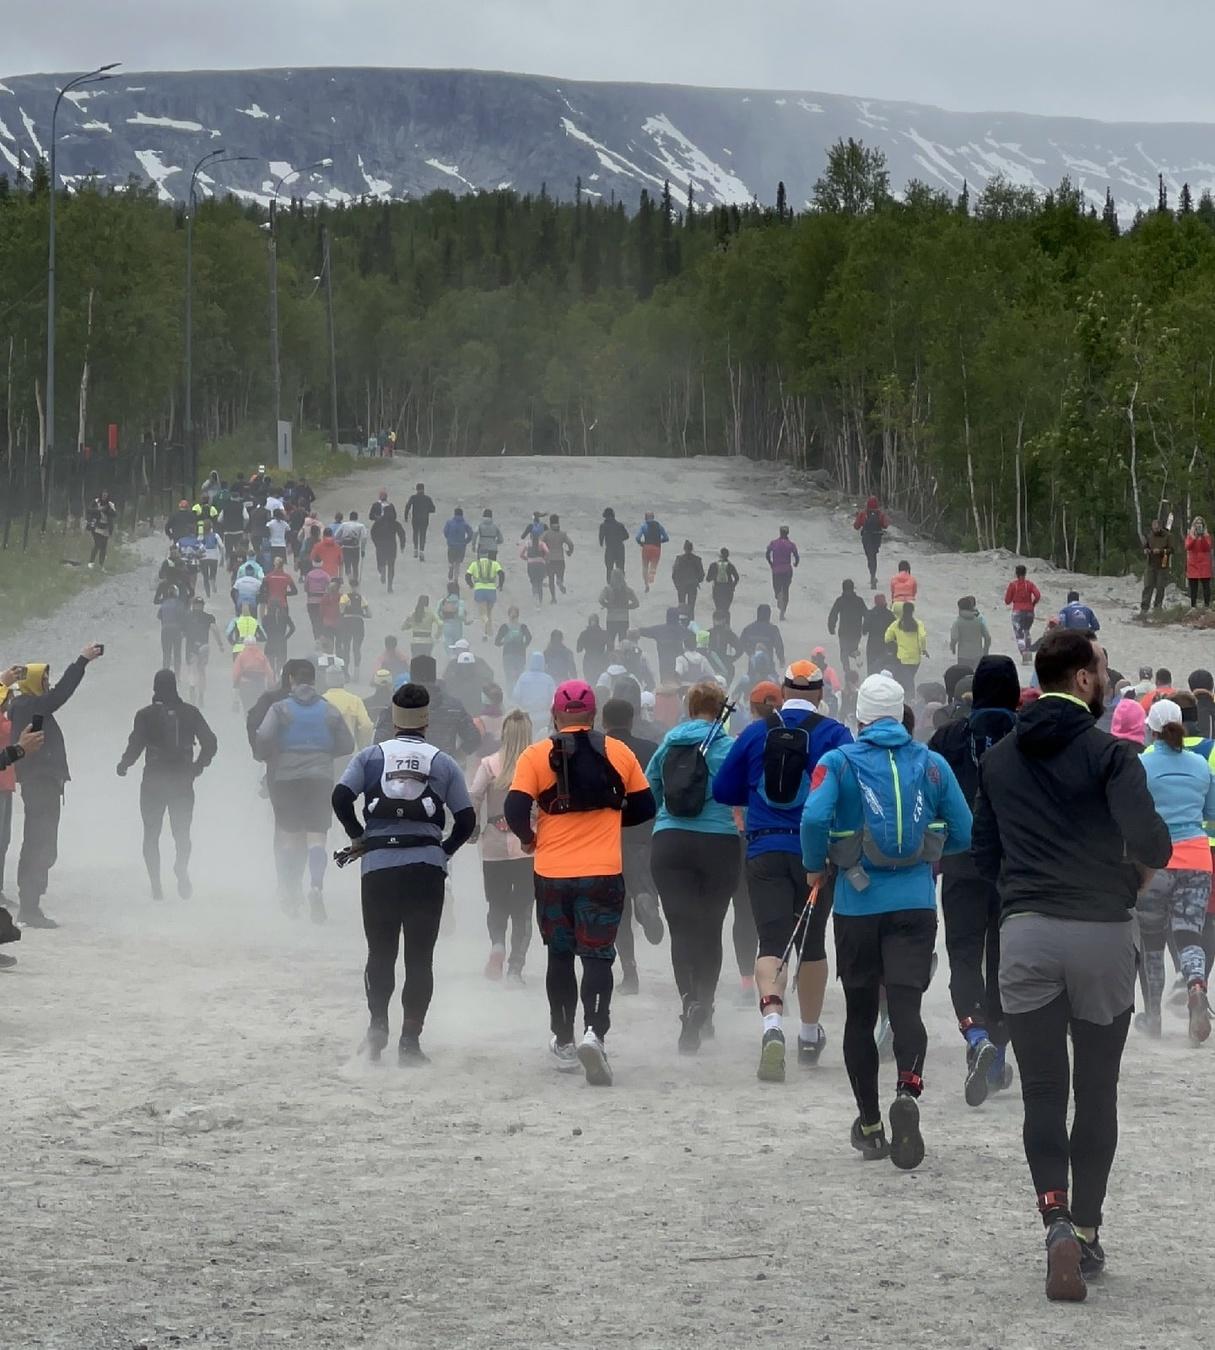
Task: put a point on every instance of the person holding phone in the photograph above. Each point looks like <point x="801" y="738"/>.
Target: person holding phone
<point x="42" y="777"/>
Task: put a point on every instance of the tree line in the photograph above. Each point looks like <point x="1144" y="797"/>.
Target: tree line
<point x="1008" y="368"/>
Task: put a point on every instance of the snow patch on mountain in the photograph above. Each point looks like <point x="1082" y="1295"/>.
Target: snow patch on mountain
<point x="614" y="163"/>
<point x="258" y="114"/>
<point x="96" y="125"/>
<point x="6" y="133"/>
<point x="171" y="123"/>
<point x="157" y="170"/>
<point x="688" y="165"/>
<point x="452" y="171"/>
<point x="31" y="132"/>
<point x="377" y="187"/>
<point x="81" y="96"/>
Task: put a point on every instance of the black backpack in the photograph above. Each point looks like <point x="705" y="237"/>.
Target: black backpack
<point x="586" y="778"/>
<point x="685" y="781"/>
<point x="785" y="781"/>
<point x="873" y="523"/>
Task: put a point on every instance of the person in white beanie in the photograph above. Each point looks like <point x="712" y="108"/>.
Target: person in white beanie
<point x="882" y="811"/>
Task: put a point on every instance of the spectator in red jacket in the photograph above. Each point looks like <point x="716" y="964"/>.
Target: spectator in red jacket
<point x="328" y="554"/>
<point x="1198" y="562"/>
<point x="1023" y="596"/>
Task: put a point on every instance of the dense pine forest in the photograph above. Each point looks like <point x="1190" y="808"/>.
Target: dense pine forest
<point x="1007" y="369"/>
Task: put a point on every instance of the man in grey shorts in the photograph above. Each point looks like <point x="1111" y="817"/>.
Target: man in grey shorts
<point x="1066" y="828"/>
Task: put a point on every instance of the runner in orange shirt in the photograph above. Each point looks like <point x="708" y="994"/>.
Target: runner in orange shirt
<point x="586" y="788"/>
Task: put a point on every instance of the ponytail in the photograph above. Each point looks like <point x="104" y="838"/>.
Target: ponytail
<point x="1173" y="735"/>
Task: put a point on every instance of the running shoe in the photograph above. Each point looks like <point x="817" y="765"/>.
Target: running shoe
<point x="691" y="1022"/>
<point x="871" y="1147"/>
<point x="9" y="932"/>
<point x="316" y="905"/>
<point x="809" y="1052"/>
<point x="375" y="1040"/>
<point x="1064" y="1255"/>
<point x="410" y="1054"/>
<point x="980" y="1059"/>
<point x="31" y="916"/>
<point x="906" y="1141"/>
<point x="885" y="1039"/>
<point x="565" y="1056"/>
<point x="493" y="967"/>
<point x="628" y="981"/>
<point x="649" y="917"/>
<point x="1092" y="1256"/>
<point x="515" y="980"/>
<point x="593" y="1058"/>
<point x="1000" y="1075"/>
<point x="1200" y="1014"/>
<point x="1149" y="1024"/>
<point x="7" y="962"/>
<point x="772" y="1057"/>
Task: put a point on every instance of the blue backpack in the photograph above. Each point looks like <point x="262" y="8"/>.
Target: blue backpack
<point x="897" y="830"/>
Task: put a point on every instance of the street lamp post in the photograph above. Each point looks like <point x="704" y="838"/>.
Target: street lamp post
<point x="274" y="343"/>
<point x="212" y="157"/>
<point x="333" y="400"/>
<point x="48" y="440"/>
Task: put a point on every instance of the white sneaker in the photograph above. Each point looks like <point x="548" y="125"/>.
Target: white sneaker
<point x="593" y="1058"/>
<point x="565" y="1057"/>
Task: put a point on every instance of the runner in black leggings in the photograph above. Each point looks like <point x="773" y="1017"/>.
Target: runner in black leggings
<point x="695" y="856"/>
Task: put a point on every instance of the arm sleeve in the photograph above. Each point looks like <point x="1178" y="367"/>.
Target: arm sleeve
<point x="65" y="687"/>
<point x="952" y="809"/>
<point x="137" y="744"/>
<point x="263" y="737"/>
<point x="778" y="646"/>
<point x="343" y="800"/>
<point x="986" y="849"/>
<point x="518" y="812"/>
<point x="818" y="813"/>
<point x="207" y="744"/>
<point x="730" y="783"/>
<point x="1008" y="593"/>
<point x="1131" y="805"/>
<point x="469" y="735"/>
<point x="638" y="807"/>
<point x="463" y="823"/>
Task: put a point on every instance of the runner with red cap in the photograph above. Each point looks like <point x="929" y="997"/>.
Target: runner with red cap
<point x="585" y="788"/>
<point x="768" y="771"/>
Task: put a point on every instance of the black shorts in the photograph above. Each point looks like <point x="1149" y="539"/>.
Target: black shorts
<point x="302" y="805"/>
<point x="890" y="949"/>
<point x="778" y="888"/>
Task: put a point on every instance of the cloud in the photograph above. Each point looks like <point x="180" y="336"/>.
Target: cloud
<point x="1087" y="57"/>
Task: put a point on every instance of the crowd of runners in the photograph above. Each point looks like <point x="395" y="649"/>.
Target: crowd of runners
<point x="669" y="776"/>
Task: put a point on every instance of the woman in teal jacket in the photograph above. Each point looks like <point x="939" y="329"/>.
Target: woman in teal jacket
<point x="694" y="858"/>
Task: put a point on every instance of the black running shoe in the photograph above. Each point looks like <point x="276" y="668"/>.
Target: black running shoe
<point x="810" y="1052"/>
<point x="1092" y="1257"/>
<point x="772" y="1057"/>
<point x="906" y="1141"/>
<point x="375" y="1040"/>
<point x="410" y="1053"/>
<point x="7" y="962"/>
<point x="1064" y="1276"/>
<point x="980" y="1059"/>
<point x="649" y="917"/>
<point x="692" y="1020"/>
<point x="9" y="932"/>
<point x="871" y="1147"/>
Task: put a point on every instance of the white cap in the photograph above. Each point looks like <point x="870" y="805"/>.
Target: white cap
<point x="616" y="671"/>
<point x="879" y="696"/>
<point x="461" y="646"/>
<point x="465" y="659"/>
<point x="648" y="700"/>
<point x="1163" y="713"/>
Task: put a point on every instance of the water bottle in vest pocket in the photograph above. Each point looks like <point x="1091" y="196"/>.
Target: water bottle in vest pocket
<point x="404" y="790"/>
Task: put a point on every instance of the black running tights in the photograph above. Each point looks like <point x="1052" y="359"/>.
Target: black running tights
<point x="404" y="901"/>
<point x="695" y="874"/>
<point x="971" y="909"/>
<point x="561" y="984"/>
<point x="1039" y="1040"/>
<point x="510" y="895"/>
<point x="860" y="1047"/>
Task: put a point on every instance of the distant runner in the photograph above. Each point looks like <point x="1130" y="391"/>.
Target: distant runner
<point x="783" y="557"/>
<point x="873" y="524"/>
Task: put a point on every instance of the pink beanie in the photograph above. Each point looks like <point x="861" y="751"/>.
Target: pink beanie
<point x="1128" y="721"/>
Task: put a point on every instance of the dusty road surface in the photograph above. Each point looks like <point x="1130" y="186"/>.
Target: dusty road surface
<point x="194" y="1154"/>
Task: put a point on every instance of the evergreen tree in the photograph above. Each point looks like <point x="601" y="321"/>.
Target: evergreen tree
<point x="645" y="247"/>
<point x="670" y="245"/>
<point x="782" y="201"/>
<point x="1186" y="204"/>
<point x="1162" y="195"/>
<point x="1205" y="210"/>
<point x="964" y="198"/>
<point x="1109" y="216"/>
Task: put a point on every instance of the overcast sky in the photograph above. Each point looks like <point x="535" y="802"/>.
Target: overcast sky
<point x="1112" y="59"/>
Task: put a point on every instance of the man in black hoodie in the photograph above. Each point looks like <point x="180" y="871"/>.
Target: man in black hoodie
<point x="971" y="905"/>
<point x="668" y="638"/>
<point x="42" y="777"/>
<point x="452" y="728"/>
<point x="1064" y="824"/>
<point x="165" y="733"/>
<point x="848" y="618"/>
<point x="876" y="624"/>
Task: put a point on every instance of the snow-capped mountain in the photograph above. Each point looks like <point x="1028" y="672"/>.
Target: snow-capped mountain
<point x="398" y="133"/>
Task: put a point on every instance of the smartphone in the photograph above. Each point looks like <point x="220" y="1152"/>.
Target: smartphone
<point x="36" y="722"/>
<point x="101" y="649"/>
<point x="22" y="672"/>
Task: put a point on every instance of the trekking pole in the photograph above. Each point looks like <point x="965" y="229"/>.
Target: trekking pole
<point x="802" y="926"/>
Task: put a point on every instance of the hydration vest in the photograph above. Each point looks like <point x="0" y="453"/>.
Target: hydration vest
<point x="587" y="779"/>
<point x="403" y="789"/>
<point x="307" y="727"/>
